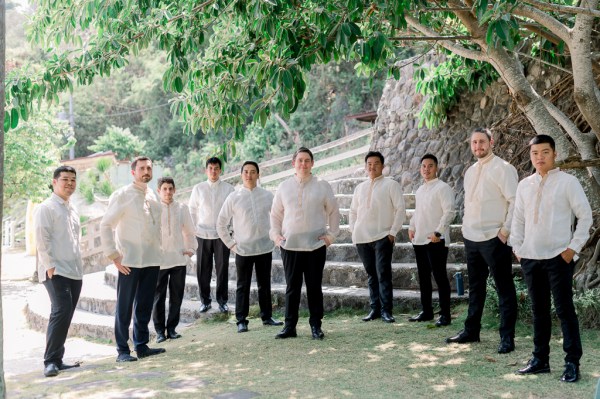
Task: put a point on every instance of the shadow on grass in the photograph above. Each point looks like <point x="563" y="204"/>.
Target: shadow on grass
<point x="356" y="359"/>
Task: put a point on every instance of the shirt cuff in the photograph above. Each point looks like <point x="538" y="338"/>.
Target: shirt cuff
<point x="113" y="256"/>
<point x="504" y="232"/>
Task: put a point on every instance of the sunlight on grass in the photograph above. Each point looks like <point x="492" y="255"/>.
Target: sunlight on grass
<point x="449" y="384"/>
<point x="386" y="346"/>
<point x="373" y="358"/>
<point x="454" y="361"/>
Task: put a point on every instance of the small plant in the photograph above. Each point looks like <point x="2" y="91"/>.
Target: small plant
<point x="523" y="301"/>
<point x="105" y="188"/>
<point x="587" y="305"/>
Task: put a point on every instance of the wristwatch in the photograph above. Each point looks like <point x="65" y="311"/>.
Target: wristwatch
<point x="437" y="234"/>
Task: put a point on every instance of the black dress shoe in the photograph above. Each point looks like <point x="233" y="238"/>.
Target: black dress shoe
<point x="462" y="338"/>
<point x="204" y="307"/>
<point x="242" y="327"/>
<point x="317" y="333"/>
<point x="287" y="332"/>
<point x="443" y="321"/>
<point x="571" y="373"/>
<point x="51" y="370"/>
<point x="223" y="308"/>
<point x="535" y="366"/>
<point x="160" y="337"/>
<point x="64" y="366"/>
<point x="172" y="334"/>
<point x="125" y="357"/>
<point x="142" y="353"/>
<point x="507" y="345"/>
<point x="422" y="317"/>
<point x="373" y="315"/>
<point x="272" y="322"/>
<point x="387" y="317"/>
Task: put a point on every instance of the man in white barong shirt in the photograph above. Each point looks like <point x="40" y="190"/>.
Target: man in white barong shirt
<point x="305" y="219"/>
<point x="545" y="239"/>
<point x="205" y="204"/>
<point x="376" y="216"/>
<point x="131" y="238"/>
<point x="429" y="232"/>
<point x="178" y="243"/>
<point x="247" y="211"/>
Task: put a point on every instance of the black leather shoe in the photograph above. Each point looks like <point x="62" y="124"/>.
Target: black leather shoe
<point x="172" y="334"/>
<point x="125" y="357"/>
<point x="317" y="333"/>
<point x="51" y="370"/>
<point x="462" y="338"/>
<point x="287" y="332"/>
<point x="272" y="322"/>
<point x="571" y="373"/>
<point x="204" y="307"/>
<point x="142" y="353"/>
<point x="443" y="321"/>
<point x="422" y="317"/>
<point x="507" y="345"/>
<point x="535" y="366"/>
<point x="242" y="327"/>
<point x="64" y="366"/>
<point x="373" y="315"/>
<point x="223" y="308"/>
<point x="160" y="337"/>
<point x="387" y="317"/>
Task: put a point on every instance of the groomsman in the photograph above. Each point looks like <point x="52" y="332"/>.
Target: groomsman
<point x="247" y="211"/>
<point x="305" y="219"/>
<point x="376" y="216"/>
<point x="131" y="238"/>
<point x="429" y="231"/>
<point x="490" y="189"/>
<point x="205" y="203"/>
<point x="178" y="244"/>
<point x="60" y="268"/>
<point x="546" y="240"/>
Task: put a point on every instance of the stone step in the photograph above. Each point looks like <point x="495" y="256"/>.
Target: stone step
<point x="345" y="215"/>
<point x="345" y="236"/>
<point x="353" y="274"/>
<point x="347" y="185"/>
<point x="345" y="200"/>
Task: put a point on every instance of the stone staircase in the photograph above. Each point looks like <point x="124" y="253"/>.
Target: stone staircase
<point x="344" y="280"/>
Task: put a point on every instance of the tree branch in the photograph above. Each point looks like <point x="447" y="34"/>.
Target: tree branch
<point x="455" y="48"/>
<point x="427" y="38"/>
<point x="544" y="19"/>
<point x="535" y="28"/>
<point x="563" y="9"/>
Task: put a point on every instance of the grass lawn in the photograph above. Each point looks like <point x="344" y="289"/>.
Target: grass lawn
<point x="355" y="360"/>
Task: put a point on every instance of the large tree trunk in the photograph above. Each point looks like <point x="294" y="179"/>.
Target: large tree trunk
<point x="2" y="96"/>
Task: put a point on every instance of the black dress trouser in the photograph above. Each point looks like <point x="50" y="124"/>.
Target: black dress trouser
<point x="64" y="294"/>
<point x="308" y="265"/>
<point x="376" y="257"/>
<point x="244" y="265"/>
<point x="545" y="277"/>
<point x="135" y="292"/>
<point x="207" y="248"/>
<point x="431" y="259"/>
<point x="174" y="280"/>
<point x="495" y="257"/>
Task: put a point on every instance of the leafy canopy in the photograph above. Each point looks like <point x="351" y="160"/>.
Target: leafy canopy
<point x="120" y="141"/>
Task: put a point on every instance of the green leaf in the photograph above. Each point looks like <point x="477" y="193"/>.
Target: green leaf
<point x="6" y="121"/>
<point x="178" y="84"/>
<point x="14" y="118"/>
<point x="288" y="81"/>
<point x="24" y="113"/>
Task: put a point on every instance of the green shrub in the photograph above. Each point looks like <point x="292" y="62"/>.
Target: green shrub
<point x="587" y="305"/>
<point x="87" y="191"/>
<point x="523" y="302"/>
<point x="105" y="188"/>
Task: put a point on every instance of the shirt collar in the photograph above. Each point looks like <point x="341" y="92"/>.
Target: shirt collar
<point x="550" y="172"/>
<point x="486" y="159"/>
<point x="432" y="181"/>
<point x="58" y="199"/>
<point x="303" y="180"/>
<point x="212" y="184"/>
<point x="140" y="186"/>
<point x="376" y="179"/>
